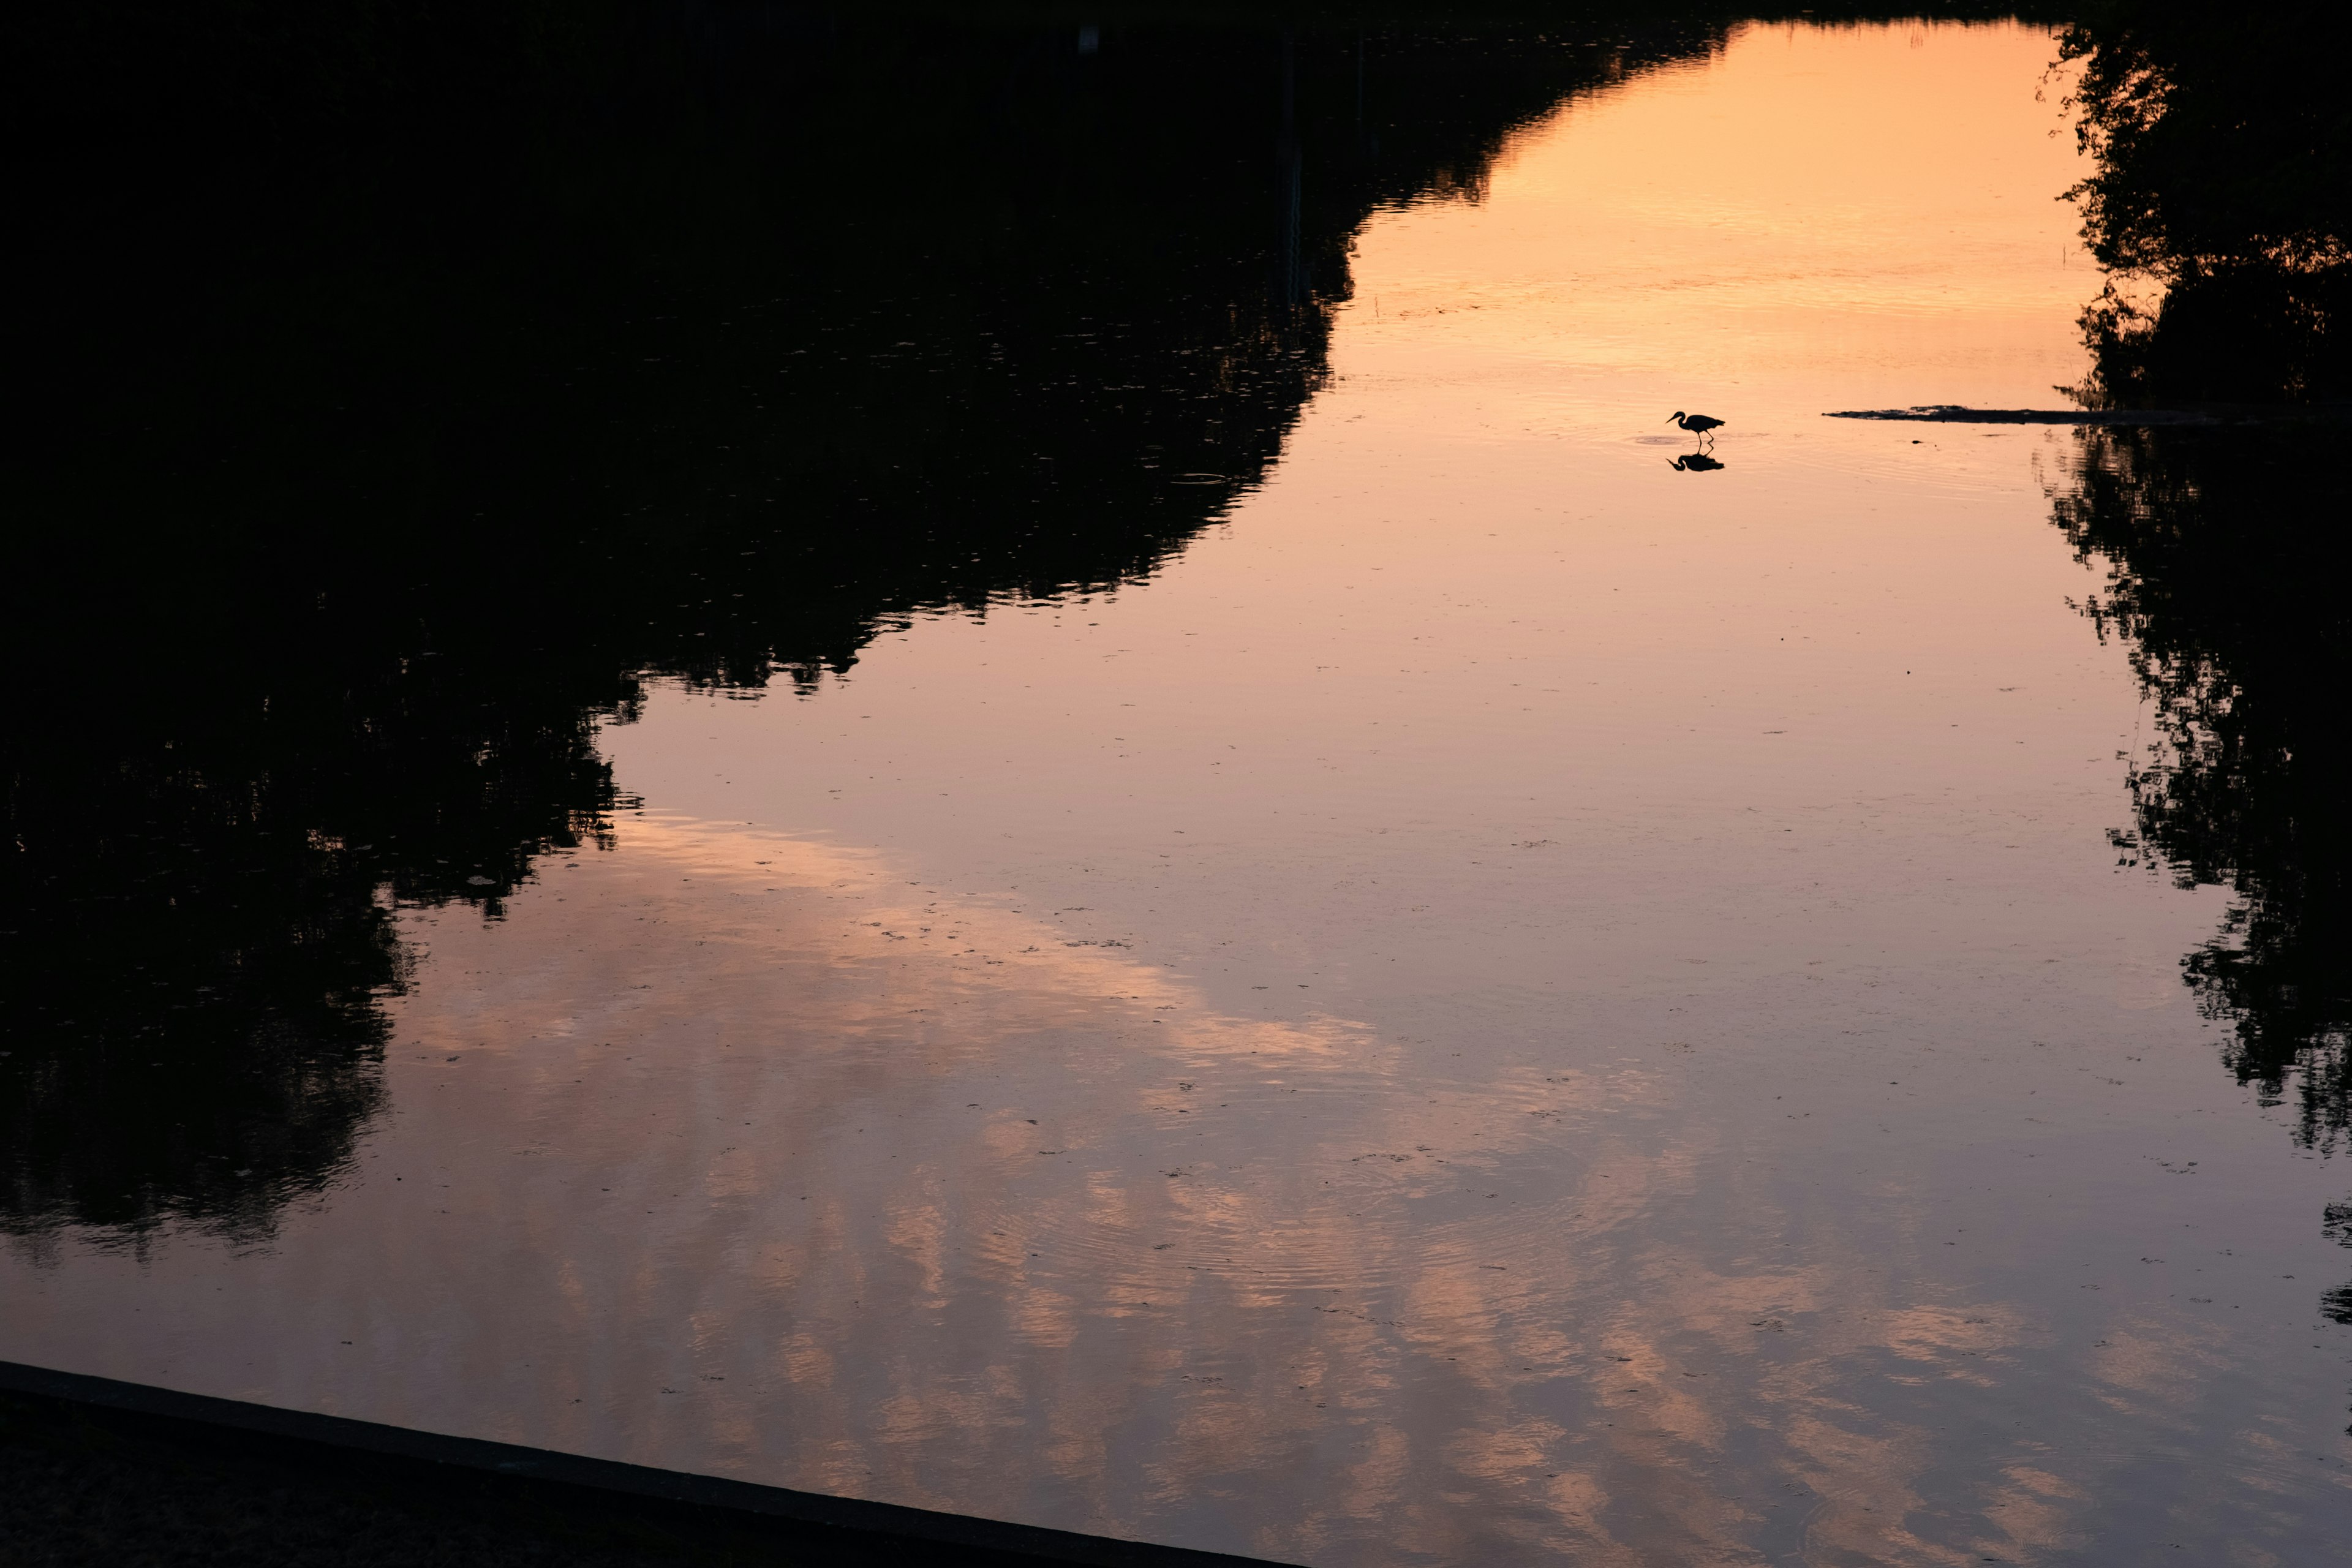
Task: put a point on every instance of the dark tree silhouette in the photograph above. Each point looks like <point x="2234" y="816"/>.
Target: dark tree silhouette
<point x="476" y="386"/>
<point x="417" y="381"/>
<point x="2220" y="199"/>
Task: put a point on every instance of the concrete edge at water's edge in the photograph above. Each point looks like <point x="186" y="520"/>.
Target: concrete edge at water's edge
<point x="651" y="1514"/>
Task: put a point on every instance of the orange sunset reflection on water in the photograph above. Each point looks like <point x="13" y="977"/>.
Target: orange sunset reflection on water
<point x="1857" y="211"/>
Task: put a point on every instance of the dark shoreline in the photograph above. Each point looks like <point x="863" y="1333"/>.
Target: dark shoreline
<point x="96" y="1471"/>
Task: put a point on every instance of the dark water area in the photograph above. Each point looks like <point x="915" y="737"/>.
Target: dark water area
<point x="681" y="676"/>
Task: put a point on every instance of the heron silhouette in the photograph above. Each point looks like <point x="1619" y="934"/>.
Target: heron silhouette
<point x="1699" y="424"/>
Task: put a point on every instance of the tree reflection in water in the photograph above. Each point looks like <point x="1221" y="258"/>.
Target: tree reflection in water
<point x="2221" y="202"/>
<point x="705" y="350"/>
<point x="2216" y="546"/>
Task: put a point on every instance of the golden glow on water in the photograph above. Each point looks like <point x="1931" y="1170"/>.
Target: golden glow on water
<point x="1513" y="1002"/>
<point x="1816" y="212"/>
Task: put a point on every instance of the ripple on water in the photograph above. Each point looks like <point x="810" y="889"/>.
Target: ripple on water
<point x="1251" y="1211"/>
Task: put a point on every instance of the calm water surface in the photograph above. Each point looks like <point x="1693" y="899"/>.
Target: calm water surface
<point x="1506" y="998"/>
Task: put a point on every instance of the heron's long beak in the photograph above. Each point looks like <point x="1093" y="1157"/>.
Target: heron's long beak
<point x="1674" y="415"/>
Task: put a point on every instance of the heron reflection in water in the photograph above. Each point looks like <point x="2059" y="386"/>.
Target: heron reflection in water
<point x="1695" y="463"/>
